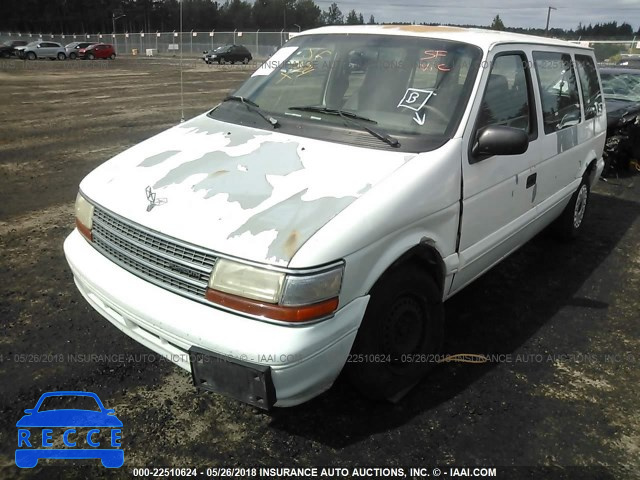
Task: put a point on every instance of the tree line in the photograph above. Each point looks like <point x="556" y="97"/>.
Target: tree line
<point x="602" y="31"/>
<point x="80" y="16"/>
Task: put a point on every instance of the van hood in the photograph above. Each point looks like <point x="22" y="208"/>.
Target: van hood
<point x="254" y="194"/>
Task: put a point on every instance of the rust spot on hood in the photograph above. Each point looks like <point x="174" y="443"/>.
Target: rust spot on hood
<point x="291" y="243"/>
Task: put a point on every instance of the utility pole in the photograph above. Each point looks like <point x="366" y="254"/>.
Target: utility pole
<point x="115" y="38"/>
<point x="546" y="30"/>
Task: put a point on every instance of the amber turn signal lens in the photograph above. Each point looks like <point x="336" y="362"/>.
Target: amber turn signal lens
<point x="297" y="314"/>
<point x="86" y="233"/>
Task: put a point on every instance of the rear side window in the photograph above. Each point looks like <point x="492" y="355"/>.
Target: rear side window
<point x="589" y="85"/>
<point x="506" y="100"/>
<point x="558" y="90"/>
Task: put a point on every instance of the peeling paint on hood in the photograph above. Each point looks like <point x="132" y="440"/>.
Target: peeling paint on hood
<point x="255" y="194"/>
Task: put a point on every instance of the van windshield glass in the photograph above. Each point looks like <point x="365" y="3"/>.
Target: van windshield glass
<point x="403" y="86"/>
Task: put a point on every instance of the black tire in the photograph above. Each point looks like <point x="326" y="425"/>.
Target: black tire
<point x="73" y="56"/>
<point x="402" y="326"/>
<point x="220" y="61"/>
<point x="245" y="60"/>
<point x="569" y="224"/>
<point x="31" y="56"/>
<point x="113" y="56"/>
<point x="91" y="56"/>
<point x="61" y="56"/>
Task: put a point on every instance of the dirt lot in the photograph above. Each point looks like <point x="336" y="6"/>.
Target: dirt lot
<point x="564" y="317"/>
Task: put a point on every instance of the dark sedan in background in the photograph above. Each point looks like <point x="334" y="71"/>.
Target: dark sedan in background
<point x="621" y="89"/>
<point x="8" y="48"/>
<point x="228" y="53"/>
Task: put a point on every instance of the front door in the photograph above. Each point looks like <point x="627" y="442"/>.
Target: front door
<point x="499" y="191"/>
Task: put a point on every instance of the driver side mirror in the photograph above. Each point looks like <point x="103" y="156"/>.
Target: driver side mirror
<point x="499" y="140"/>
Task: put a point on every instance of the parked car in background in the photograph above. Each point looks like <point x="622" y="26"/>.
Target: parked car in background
<point x="42" y="49"/>
<point x="630" y="60"/>
<point x="97" y="50"/>
<point x="228" y="53"/>
<point x="73" y="48"/>
<point x="8" y="48"/>
<point x="621" y="89"/>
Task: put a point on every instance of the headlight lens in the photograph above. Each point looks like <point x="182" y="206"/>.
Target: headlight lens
<point x="273" y="294"/>
<point x="246" y="281"/>
<point x="84" y="216"/>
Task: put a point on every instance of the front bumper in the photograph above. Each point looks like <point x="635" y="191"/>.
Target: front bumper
<point x="304" y="361"/>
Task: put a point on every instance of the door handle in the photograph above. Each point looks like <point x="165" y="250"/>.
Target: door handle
<point x="531" y="180"/>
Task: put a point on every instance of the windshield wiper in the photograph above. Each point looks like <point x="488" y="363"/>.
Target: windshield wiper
<point x="253" y="107"/>
<point x="353" y="118"/>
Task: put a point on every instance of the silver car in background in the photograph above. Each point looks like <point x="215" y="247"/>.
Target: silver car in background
<point x="71" y="49"/>
<point x="42" y="49"/>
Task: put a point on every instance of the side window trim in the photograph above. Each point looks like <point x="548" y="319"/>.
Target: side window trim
<point x="533" y="115"/>
<point x="587" y="58"/>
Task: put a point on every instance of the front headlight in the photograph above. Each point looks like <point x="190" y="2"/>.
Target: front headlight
<point x="84" y="216"/>
<point x="273" y="294"/>
<point x="246" y="281"/>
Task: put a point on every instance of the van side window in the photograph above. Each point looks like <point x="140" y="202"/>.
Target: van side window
<point x="558" y="90"/>
<point x="506" y="97"/>
<point x="589" y="85"/>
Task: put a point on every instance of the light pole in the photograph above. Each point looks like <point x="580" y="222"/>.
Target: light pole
<point x="113" y="20"/>
<point x="546" y="30"/>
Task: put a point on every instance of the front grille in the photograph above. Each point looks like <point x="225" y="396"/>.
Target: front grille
<point x="166" y="262"/>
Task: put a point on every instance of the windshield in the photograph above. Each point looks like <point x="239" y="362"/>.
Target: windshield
<point x="622" y="86"/>
<point x="410" y="87"/>
<point x="67" y="402"/>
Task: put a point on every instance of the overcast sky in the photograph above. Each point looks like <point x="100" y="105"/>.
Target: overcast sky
<point x="514" y="13"/>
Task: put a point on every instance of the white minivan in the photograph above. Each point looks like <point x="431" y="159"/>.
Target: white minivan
<point x="318" y="218"/>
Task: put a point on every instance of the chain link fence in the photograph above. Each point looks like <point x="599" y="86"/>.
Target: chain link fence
<point x="261" y="44"/>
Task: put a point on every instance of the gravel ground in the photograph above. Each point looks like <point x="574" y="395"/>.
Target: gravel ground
<point x="561" y="320"/>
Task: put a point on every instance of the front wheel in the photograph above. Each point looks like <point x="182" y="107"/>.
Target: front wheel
<point x="61" y="56"/>
<point x="400" y="334"/>
<point x="569" y="223"/>
<point x="31" y="56"/>
<point x="113" y="56"/>
<point x="73" y="56"/>
<point x="91" y="56"/>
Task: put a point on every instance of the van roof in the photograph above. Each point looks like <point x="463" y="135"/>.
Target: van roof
<point x="483" y="38"/>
